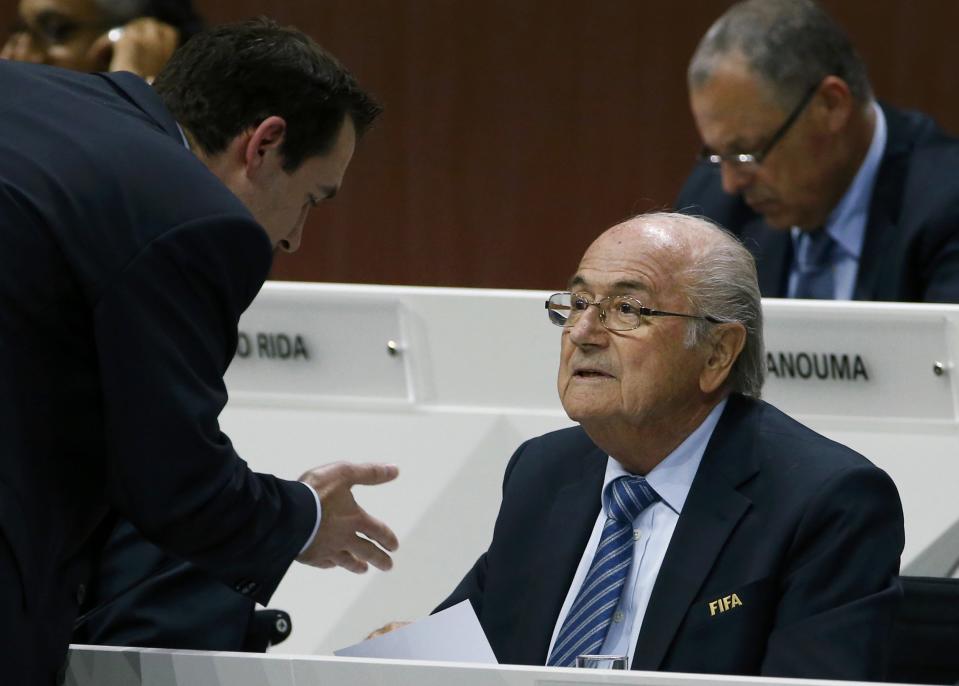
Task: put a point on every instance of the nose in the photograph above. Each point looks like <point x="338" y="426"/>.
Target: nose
<point x="588" y="329"/>
<point x="292" y="242"/>
<point x="736" y="178"/>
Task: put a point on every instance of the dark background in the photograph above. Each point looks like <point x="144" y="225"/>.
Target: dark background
<point x="516" y="130"/>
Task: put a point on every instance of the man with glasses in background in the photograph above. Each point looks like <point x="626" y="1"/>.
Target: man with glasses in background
<point x="685" y="523"/>
<point x="836" y="196"/>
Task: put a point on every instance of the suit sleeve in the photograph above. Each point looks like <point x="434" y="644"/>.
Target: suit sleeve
<point x="927" y="225"/>
<point x="165" y="332"/>
<point x="840" y="590"/>
<point x="141" y="596"/>
<point x="939" y="250"/>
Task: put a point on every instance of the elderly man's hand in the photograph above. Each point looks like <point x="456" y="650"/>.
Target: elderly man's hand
<point x="386" y="628"/>
<point x="348" y="537"/>
<point x="142" y="46"/>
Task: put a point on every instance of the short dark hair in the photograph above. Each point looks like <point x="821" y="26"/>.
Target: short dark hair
<point x="230" y="78"/>
<point x="790" y="44"/>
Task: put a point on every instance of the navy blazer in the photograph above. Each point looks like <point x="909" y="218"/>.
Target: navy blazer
<point x="124" y="267"/>
<point x="911" y="246"/>
<point x="806" y="533"/>
<point x="141" y="596"/>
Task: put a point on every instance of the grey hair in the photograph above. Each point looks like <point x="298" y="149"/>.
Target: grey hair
<point x="721" y="282"/>
<point x="790" y="44"/>
<point x="122" y="11"/>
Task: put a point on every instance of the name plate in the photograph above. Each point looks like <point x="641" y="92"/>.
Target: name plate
<point x="843" y="360"/>
<point x="293" y="345"/>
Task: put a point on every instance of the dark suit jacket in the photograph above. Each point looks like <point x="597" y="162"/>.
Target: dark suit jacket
<point x="911" y="247"/>
<point x="804" y="531"/>
<point x="140" y="595"/>
<point x="124" y="267"/>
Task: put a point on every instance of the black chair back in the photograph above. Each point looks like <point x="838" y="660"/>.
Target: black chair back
<point x="924" y="644"/>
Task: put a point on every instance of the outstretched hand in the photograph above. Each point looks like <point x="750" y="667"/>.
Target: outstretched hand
<point x="348" y="537"/>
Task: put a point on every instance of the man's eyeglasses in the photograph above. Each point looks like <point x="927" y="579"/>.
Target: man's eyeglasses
<point x="616" y="312"/>
<point x="751" y="160"/>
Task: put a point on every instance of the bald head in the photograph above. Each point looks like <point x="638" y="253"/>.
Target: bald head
<point x="648" y="251"/>
<point x="683" y="239"/>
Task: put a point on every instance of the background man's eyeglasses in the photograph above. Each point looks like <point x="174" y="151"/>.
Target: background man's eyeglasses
<point x="616" y="312"/>
<point x="752" y="160"/>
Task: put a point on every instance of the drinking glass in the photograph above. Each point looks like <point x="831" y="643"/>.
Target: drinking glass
<point x="601" y="661"/>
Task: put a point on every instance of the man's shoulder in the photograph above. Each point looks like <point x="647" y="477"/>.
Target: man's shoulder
<point x="912" y="129"/>
<point x="559" y="453"/>
<point x="562" y="444"/>
<point x="923" y="149"/>
<point x="71" y="134"/>
<point x="30" y="77"/>
<point x="103" y="180"/>
<point x="784" y="446"/>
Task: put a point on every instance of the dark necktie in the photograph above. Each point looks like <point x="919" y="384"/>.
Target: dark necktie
<point x="584" y="629"/>
<point x="815" y="273"/>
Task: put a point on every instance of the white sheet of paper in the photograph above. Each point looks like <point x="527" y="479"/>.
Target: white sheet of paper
<point x="453" y="635"/>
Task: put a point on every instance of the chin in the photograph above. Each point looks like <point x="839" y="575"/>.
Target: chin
<point x="580" y="411"/>
<point x="778" y="221"/>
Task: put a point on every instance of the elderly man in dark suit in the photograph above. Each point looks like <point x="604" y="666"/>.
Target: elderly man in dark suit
<point x="135" y="227"/>
<point x="837" y="197"/>
<point x="685" y="523"/>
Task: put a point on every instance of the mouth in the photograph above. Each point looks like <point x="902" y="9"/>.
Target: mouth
<point x="591" y="374"/>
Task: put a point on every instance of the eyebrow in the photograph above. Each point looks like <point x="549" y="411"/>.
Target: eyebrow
<point x="624" y="286"/>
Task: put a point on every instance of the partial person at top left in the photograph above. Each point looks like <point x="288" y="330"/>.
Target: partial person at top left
<point x="101" y="35"/>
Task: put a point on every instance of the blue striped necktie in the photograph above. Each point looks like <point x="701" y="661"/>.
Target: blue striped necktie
<point x="584" y="629"/>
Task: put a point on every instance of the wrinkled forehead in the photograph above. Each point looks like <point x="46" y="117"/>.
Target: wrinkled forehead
<point x="641" y="257"/>
<point x="731" y="89"/>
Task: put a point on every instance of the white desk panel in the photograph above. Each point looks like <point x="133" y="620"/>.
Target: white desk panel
<point x="103" y="666"/>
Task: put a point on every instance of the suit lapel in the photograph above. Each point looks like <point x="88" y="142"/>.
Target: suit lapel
<point x="880" y="233"/>
<point x="569" y="523"/>
<point x="884" y="209"/>
<point x="712" y="510"/>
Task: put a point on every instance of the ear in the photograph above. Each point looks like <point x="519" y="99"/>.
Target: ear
<point x="836" y="103"/>
<point x="723" y="348"/>
<point x="263" y="145"/>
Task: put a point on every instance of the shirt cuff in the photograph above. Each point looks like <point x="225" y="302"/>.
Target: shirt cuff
<point x="319" y="514"/>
